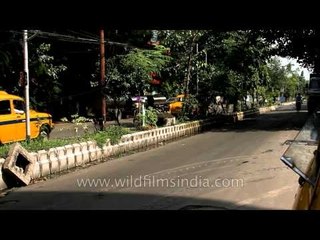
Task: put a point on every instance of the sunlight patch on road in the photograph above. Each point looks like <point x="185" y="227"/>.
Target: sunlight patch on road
<point x="269" y="194"/>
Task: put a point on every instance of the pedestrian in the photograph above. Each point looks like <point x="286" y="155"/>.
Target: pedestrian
<point x="298" y="102"/>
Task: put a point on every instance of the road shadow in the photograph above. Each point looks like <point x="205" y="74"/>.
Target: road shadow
<point x="272" y="121"/>
<point x="32" y="200"/>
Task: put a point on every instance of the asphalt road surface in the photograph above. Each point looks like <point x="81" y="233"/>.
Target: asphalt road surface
<point x="229" y="167"/>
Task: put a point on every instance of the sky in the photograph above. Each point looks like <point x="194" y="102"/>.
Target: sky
<point x="296" y="65"/>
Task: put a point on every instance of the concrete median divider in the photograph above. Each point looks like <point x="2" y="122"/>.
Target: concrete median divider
<point x="3" y="184"/>
<point x="59" y="159"/>
<point x="19" y="165"/>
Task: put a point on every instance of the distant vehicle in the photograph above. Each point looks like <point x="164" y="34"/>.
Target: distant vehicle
<point x="156" y="98"/>
<point x="174" y="104"/>
<point x="13" y="120"/>
<point x="155" y="101"/>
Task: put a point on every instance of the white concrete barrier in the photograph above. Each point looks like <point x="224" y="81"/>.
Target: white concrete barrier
<point x="53" y="161"/>
<point x="19" y="163"/>
<point x="62" y="157"/>
<point x="3" y="184"/>
<point x="92" y="146"/>
<point x="71" y="160"/>
<point x="77" y="154"/>
<point x="36" y="169"/>
<point x="44" y="163"/>
<point x="85" y="152"/>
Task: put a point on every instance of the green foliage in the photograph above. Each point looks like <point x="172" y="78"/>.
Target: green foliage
<point x="182" y="119"/>
<point x="151" y="117"/>
<point x="182" y="44"/>
<point x="4" y="59"/>
<point x="113" y="133"/>
<point x="283" y="80"/>
<point x="191" y="105"/>
<point x="4" y="149"/>
<point x="36" y="145"/>
<point x="39" y="144"/>
<point x="300" y="43"/>
<point x="241" y="56"/>
<point x="232" y="64"/>
<point x="11" y="60"/>
<point x="45" y="86"/>
<point x="146" y="61"/>
<point x="229" y="64"/>
<point x="130" y="74"/>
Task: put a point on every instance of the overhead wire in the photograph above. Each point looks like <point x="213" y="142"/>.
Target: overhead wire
<point x="69" y="38"/>
<point x="84" y="34"/>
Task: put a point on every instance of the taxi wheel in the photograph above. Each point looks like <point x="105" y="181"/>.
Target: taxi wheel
<point x="44" y="133"/>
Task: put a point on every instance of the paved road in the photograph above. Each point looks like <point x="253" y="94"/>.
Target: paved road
<point x="229" y="167"/>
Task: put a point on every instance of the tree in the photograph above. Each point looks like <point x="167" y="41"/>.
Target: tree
<point x="138" y="65"/>
<point x="45" y="84"/>
<point x="11" y="61"/>
<point x="240" y="58"/>
<point x="302" y="44"/>
<point x="283" y="80"/>
<point x="182" y="46"/>
<point x="130" y="74"/>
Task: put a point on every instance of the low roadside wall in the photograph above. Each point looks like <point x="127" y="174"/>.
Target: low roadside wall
<point x="59" y="159"/>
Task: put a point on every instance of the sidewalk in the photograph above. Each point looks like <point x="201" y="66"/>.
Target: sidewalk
<point x="66" y="130"/>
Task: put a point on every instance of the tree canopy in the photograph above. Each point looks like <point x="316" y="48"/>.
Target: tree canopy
<point x="64" y="66"/>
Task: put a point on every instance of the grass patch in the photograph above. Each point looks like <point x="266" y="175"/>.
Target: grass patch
<point x="4" y="149"/>
<point x="113" y="133"/>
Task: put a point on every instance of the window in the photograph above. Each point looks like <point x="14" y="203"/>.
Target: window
<point x="18" y="106"/>
<point x="314" y="83"/>
<point x="5" y="107"/>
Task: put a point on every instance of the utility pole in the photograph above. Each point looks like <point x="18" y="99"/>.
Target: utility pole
<point x="102" y="80"/>
<point x="206" y="57"/>
<point x="197" y="51"/>
<point x="26" y="70"/>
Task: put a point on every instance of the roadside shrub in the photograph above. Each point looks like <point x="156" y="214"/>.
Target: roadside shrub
<point x="151" y="117"/>
<point x="4" y="149"/>
<point x="114" y="133"/>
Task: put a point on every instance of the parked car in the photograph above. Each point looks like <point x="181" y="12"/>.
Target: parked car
<point x="13" y="120"/>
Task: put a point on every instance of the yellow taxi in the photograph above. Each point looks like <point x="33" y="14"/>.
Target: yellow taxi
<point x="175" y="104"/>
<point x="13" y="120"/>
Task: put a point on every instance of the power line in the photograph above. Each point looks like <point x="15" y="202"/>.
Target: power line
<point x="85" y="34"/>
<point x="74" y="39"/>
<point x="63" y="37"/>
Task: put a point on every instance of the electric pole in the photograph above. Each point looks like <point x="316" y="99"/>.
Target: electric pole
<point x="197" y="85"/>
<point x="26" y="70"/>
<point x="102" y="80"/>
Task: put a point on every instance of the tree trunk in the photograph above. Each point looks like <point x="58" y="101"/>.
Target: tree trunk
<point x="187" y="79"/>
